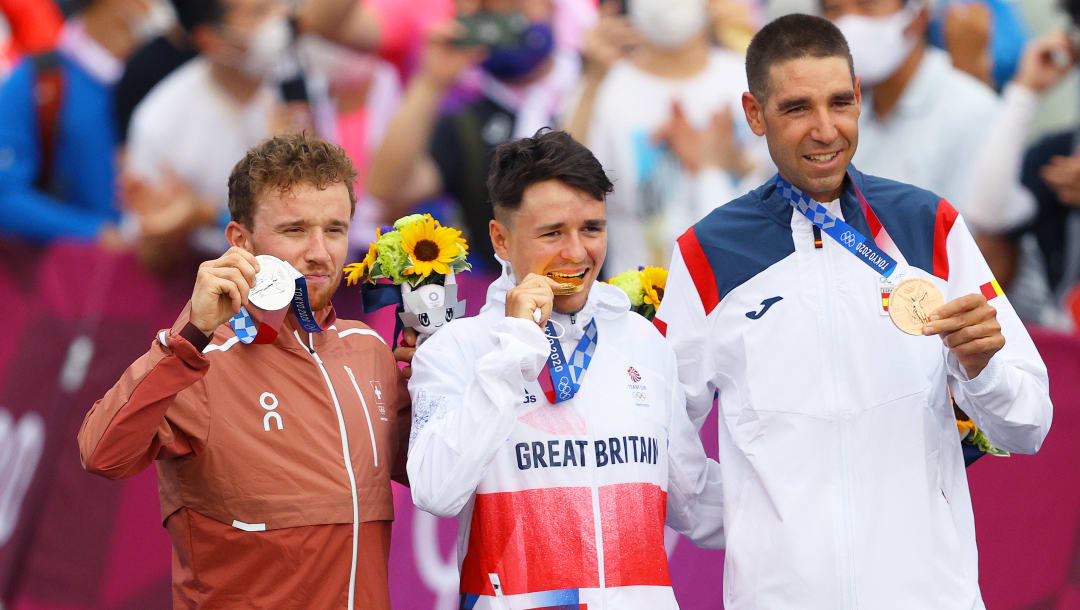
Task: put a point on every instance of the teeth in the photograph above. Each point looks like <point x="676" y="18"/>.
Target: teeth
<point x="821" y="158"/>
<point x="557" y="274"/>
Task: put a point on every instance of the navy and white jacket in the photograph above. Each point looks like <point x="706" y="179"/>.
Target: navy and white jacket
<point x="844" y="483"/>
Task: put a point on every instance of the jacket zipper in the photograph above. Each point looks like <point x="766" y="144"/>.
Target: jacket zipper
<point x="845" y="482"/>
<point x="363" y="403"/>
<point x="597" y="522"/>
<point x="346" y="454"/>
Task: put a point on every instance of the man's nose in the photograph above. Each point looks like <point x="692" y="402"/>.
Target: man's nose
<point x="574" y="248"/>
<point x="824" y="127"/>
<point x="317" y="252"/>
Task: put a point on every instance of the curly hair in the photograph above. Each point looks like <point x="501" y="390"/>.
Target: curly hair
<point x="283" y="162"/>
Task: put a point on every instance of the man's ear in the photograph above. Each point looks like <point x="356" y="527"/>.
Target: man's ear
<point x="238" y="235"/>
<point x="755" y="113"/>
<point x="858" y="94"/>
<point x="500" y="237"/>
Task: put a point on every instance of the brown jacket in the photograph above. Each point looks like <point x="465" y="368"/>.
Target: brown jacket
<point x="262" y="508"/>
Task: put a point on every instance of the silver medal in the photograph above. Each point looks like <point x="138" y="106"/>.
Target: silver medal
<point x="274" y="286"/>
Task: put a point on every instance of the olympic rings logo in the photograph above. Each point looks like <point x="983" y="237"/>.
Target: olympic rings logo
<point x="848" y="238"/>
<point x="564" y="388"/>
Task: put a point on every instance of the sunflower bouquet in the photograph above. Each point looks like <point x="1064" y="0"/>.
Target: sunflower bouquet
<point x="417" y="250"/>
<point x="421" y="257"/>
<point x="644" y="286"/>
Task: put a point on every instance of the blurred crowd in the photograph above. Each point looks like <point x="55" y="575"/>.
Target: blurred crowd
<point x="120" y="120"/>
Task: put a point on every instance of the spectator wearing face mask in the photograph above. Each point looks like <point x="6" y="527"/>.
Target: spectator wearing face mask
<point x="661" y="123"/>
<point x="187" y="133"/>
<point x="56" y="130"/>
<point x="925" y="122"/>
<point x="523" y="84"/>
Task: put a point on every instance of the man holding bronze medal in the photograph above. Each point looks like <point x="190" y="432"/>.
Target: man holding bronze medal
<point x="275" y="436"/>
<point x="552" y="424"/>
<point x="833" y="313"/>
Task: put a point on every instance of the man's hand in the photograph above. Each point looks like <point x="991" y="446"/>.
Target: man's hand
<point x="1062" y="175"/>
<point x="611" y="39"/>
<point x="443" y="59"/>
<point x="967" y="38"/>
<point x="221" y="288"/>
<point x="969" y="328"/>
<point x="714" y="146"/>
<point x="1046" y="61"/>
<point x="405" y="351"/>
<point x="534" y="292"/>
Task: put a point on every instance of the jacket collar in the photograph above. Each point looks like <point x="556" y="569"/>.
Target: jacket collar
<point x="778" y="207"/>
<point x="326" y="317"/>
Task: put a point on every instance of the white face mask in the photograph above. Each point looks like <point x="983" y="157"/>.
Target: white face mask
<point x="668" y="23"/>
<point x="159" y="18"/>
<point x="267" y="47"/>
<point x="878" y="44"/>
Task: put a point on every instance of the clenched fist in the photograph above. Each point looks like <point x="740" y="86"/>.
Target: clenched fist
<point x="534" y="292"/>
<point x="221" y="288"/>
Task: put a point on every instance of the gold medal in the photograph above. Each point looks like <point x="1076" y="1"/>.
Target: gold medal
<point x="911" y="304"/>
<point x="568" y="284"/>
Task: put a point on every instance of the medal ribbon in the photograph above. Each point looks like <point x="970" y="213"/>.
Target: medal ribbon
<point x="560" y="380"/>
<point x="302" y="308"/>
<point x="865" y="249"/>
<point x="266" y="329"/>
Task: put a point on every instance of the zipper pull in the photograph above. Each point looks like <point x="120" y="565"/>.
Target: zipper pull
<point x="817" y="238"/>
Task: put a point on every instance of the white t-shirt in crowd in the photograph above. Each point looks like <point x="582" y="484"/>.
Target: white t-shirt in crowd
<point x="953" y="135"/>
<point x="188" y="126"/>
<point x="655" y="198"/>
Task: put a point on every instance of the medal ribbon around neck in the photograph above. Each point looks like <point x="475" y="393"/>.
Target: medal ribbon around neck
<point x="865" y="249"/>
<point x="560" y="380"/>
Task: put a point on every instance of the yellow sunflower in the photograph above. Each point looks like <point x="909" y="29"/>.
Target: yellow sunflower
<point x="430" y="247"/>
<point x="355" y="272"/>
<point x="653" y="280"/>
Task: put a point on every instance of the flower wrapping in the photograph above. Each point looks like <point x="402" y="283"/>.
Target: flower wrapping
<point x="421" y="257"/>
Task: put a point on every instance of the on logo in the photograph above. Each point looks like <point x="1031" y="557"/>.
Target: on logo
<point x="270" y="402"/>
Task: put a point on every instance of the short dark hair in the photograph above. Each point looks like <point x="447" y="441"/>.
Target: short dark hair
<point x="548" y="155"/>
<point x="283" y="162"/>
<point x="193" y="13"/>
<point x="792" y="37"/>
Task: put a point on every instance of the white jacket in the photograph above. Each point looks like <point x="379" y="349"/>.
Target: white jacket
<point x="843" y="477"/>
<point x="559" y="504"/>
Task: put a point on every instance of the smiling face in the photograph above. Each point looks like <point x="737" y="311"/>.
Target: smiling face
<point x="810" y="119"/>
<point x="305" y="226"/>
<point x="557" y="231"/>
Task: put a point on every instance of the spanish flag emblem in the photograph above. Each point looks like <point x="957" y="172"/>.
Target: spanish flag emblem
<point x="991" y="289"/>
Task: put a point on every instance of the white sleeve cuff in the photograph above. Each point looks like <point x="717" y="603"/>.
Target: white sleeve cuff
<point x="984" y="382"/>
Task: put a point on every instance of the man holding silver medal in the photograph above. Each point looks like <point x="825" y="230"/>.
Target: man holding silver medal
<point x="552" y="424"/>
<point x="809" y="307"/>
<point x="275" y="436"/>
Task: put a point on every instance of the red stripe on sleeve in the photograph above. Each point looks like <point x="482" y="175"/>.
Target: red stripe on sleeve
<point x="946" y="217"/>
<point x="660" y="326"/>
<point x="700" y="270"/>
<point x="988" y="291"/>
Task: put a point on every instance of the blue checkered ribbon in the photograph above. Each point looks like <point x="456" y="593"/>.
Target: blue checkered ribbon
<point x="566" y="376"/>
<point x="847" y="236"/>
<point x="244" y="326"/>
